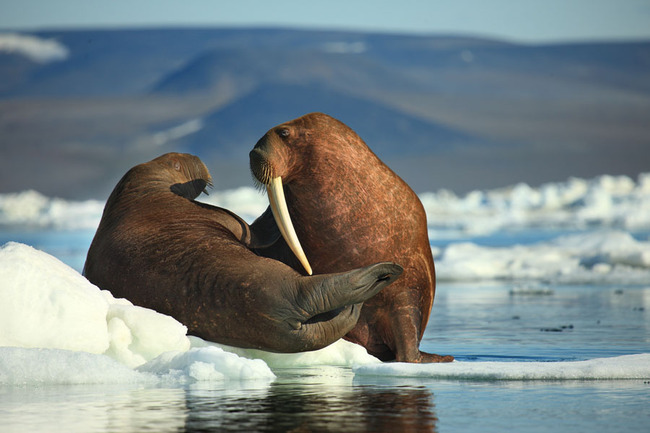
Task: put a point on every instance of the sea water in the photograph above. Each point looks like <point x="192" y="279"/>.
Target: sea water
<point x="549" y="324"/>
<point x="476" y="323"/>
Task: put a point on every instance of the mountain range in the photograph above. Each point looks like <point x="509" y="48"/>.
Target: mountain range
<point x="449" y="112"/>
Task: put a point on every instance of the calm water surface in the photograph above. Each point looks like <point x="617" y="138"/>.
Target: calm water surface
<point x="475" y="322"/>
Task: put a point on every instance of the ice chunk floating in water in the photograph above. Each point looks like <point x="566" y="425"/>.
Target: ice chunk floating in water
<point x="341" y="353"/>
<point x="621" y="367"/>
<point x="63" y="329"/>
<point x="45" y="303"/>
<point x="596" y="257"/>
<point x="59" y="328"/>
<point x="207" y="364"/>
<point x="20" y="366"/>
<point x="605" y="201"/>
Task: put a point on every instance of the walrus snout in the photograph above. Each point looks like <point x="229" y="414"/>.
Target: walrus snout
<point x="260" y="166"/>
<point x="265" y="174"/>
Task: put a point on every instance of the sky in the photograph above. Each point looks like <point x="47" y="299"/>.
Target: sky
<point x="533" y="21"/>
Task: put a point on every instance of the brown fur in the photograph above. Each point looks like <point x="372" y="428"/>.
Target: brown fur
<point x="349" y="209"/>
<point x="160" y="249"/>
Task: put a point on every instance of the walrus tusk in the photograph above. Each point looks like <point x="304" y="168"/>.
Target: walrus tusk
<point x="283" y="220"/>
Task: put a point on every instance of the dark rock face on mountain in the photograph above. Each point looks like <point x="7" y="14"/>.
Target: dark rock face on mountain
<point x="444" y="112"/>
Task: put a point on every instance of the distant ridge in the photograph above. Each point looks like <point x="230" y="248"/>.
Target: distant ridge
<point x="387" y="130"/>
<point x="444" y="111"/>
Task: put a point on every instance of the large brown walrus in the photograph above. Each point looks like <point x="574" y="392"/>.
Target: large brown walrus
<point x="160" y="249"/>
<point x="348" y="210"/>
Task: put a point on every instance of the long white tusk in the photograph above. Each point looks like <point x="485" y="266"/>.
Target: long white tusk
<point x="283" y="220"/>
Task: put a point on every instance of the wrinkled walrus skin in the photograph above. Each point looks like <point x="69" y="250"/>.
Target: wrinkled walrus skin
<point x="349" y="210"/>
<point x="162" y="250"/>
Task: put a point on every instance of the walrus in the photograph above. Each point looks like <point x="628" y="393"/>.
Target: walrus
<point x="160" y="249"/>
<point x="348" y="210"/>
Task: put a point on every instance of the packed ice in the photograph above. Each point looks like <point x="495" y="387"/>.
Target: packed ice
<point x="606" y="256"/>
<point x="618" y="367"/>
<point x="56" y="327"/>
<point x="618" y="202"/>
<point x="607" y="201"/>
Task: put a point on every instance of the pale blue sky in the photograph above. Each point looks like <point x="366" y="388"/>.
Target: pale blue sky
<point x="522" y="20"/>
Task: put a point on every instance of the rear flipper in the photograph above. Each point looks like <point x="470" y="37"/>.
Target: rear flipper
<point x="359" y="285"/>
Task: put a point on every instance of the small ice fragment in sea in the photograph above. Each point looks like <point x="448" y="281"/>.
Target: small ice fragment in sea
<point x="531" y="291"/>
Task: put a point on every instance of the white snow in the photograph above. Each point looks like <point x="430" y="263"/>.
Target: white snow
<point x="343" y="47"/>
<point x="56" y="327"/>
<point x="34" y="48"/>
<point x="22" y="366"/>
<point x="207" y="364"/>
<point x="340" y="353"/>
<point x="42" y="304"/>
<point x="620" y="367"/>
<point x="52" y="319"/>
<point x="606" y="201"/>
<point x="594" y="257"/>
<point x="246" y="202"/>
<point x="46" y="304"/>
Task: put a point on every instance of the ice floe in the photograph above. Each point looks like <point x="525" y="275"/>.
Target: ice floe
<point x="56" y="327"/>
<point x="605" y="201"/>
<point x="620" y="367"/>
<point x="592" y="257"/>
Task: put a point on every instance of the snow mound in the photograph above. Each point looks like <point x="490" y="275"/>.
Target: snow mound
<point x="341" y="353"/>
<point x="621" y="367"/>
<point x="56" y="327"/>
<point x="206" y="364"/>
<point x="606" y="201"/>
<point x="22" y="366"/>
<point x="594" y="257"/>
<point x="46" y="304"/>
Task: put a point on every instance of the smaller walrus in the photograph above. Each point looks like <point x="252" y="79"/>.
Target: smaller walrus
<point x="160" y="249"/>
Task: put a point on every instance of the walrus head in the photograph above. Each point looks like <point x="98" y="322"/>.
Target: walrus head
<point x="181" y="173"/>
<point x="274" y="164"/>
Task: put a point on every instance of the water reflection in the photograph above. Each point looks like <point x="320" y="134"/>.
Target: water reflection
<point x="89" y="409"/>
<point x="319" y="403"/>
<point x="314" y="400"/>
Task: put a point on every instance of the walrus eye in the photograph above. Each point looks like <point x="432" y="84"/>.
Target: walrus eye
<point x="284" y="133"/>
